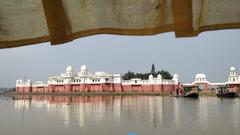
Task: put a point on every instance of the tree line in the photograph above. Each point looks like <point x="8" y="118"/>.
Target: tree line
<point x="165" y="74"/>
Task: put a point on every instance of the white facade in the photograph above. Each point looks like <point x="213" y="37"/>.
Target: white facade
<point x="201" y="78"/>
<point x="152" y="81"/>
<point x="85" y="77"/>
<point x="22" y="83"/>
<point x="233" y="78"/>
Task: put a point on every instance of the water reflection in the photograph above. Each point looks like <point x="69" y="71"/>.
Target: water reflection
<point x="203" y="113"/>
<point x="155" y="113"/>
<point x="85" y="108"/>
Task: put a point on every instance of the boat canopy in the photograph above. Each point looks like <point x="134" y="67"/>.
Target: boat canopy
<point x="25" y="22"/>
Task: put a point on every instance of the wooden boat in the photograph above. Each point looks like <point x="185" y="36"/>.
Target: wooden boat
<point x="191" y="91"/>
<point x="192" y="94"/>
<point x="227" y="94"/>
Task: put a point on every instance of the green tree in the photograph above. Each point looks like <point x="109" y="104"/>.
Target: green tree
<point x="165" y="74"/>
<point x="129" y="75"/>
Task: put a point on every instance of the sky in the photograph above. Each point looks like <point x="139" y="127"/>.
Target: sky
<point x="211" y="53"/>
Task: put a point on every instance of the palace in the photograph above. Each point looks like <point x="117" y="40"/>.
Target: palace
<point x="232" y="83"/>
<point x="84" y="81"/>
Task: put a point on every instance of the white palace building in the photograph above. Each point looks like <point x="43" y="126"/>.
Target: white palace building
<point x="84" y="81"/>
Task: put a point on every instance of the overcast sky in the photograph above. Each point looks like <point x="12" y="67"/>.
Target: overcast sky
<point x="211" y="53"/>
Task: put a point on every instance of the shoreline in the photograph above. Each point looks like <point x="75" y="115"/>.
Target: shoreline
<point x="101" y="94"/>
<point x="89" y="94"/>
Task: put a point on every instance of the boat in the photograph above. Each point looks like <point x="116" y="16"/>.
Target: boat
<point x="224" y="92"/>
<point x="227" y="94"/>
<point x="192" y="94"/>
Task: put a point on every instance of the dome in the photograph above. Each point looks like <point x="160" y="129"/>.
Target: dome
<point x="175" y="76"/>
<point x="150" y="76"/>
<point x="159" y="76"/>
<point x="69" y="69"/>
<point x="232" y="68"/>
<point x="200" y="76"/>
<point x="83" y="68"/>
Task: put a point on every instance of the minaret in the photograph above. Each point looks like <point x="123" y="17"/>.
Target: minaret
<point x="150" y="79"/>
<point x="232" y="75"/>
<point x="159" y="79"/>
<point x="69" y="75"/>
<point x="176" y="78"/>
<point x="83" y="71"/>
<point x="69" y="71"/>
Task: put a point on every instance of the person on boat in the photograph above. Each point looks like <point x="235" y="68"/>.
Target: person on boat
<point x="181" y="92"/>
<point x="221" y="91"/>
<point x="177" y="92"/>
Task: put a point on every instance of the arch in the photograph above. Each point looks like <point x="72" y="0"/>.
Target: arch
<point x="204" y="86"/>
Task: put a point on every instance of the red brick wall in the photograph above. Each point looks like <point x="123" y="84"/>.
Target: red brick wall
<point x="101" y="88"/>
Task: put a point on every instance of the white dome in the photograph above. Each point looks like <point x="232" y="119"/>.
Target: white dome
<point x="175" y="76"/>
<point x="83" y="68"/>
<point x="159" y="76"/>
<point x="150" y="76"/>
<point x="232" y="68"/>
<point x="69" y="69"/>
<point x="200" y="76"/>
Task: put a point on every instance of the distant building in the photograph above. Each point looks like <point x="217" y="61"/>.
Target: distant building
<point x="232" y="83"/>
<point x="233" y="79"/>
<point x="84" y="81"/>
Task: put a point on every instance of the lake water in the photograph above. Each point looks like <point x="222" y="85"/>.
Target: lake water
<point x="118" y="115"/>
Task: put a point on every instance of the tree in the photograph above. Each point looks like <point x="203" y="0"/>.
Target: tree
<point x="153" y="69"/>
<point x="129" y="75"/>
<point x="165" y="74"/>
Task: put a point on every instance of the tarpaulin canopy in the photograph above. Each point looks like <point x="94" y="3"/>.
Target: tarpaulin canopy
<point x="24" y="22"/>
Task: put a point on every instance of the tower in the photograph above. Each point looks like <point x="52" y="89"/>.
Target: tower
<point x="83" y="71"/>
<point x="68" y="79"/>
<point x="69" y="71"/>
<point x="150" y="79"/>
<point x="176" y="78"/>
<point x="159" y="79"/>
<point x="153" y="69"/>
<point x="232" y="75"/>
